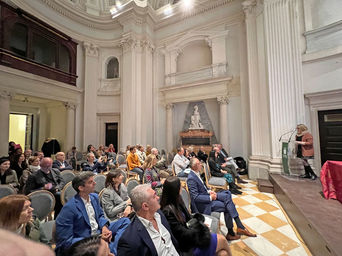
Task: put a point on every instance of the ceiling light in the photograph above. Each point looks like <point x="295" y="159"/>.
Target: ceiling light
<point x="187" y="4"/>
<point x="113" y="10"/>
<point x="168" y="10"/>
<point x="118" y="4"/>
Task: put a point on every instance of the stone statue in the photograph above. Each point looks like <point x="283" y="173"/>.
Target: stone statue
<point x="195" y="122"/>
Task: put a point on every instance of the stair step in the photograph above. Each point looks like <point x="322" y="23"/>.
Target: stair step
<point x="265" y="186"/>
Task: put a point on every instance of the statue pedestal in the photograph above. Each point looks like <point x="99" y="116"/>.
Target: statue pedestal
<point x="196" y="138"/>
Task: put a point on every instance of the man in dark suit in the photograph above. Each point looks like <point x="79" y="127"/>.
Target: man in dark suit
<point x="227" y="161"/>
<point x="60" y="162"/>
<point x="82" y="216"/>
<point x="149" y="232"/>
<point x="206" y="201"/>
<point x="46" y="178"/>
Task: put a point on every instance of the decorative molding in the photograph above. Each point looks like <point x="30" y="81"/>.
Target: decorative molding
<point x="169" y="106"/>
<point x="70" y="105"/>
<point x="109" y="87"/>
<point x="324" y="38"/>
<point x="7" y="95"/>
<point x="223" y="100"/>
<point x="249" y="6"/>
<point x="91" y="49"/>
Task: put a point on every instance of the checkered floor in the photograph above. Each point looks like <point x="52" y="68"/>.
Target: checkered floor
<point x="261" y="213"/>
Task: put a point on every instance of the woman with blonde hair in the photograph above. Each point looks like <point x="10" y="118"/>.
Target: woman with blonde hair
<point x="16" y="216"/>
<point x="151" y="176"/>
<point x="305" y="151"/>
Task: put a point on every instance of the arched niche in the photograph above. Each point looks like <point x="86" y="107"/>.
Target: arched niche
<point x="112" y="68"/>
<point x="193" y="56"/>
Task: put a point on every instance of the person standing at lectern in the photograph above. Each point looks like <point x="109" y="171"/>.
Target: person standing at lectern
<point x="305" y="151"/>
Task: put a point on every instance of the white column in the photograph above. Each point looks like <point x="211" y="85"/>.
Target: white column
<point x="146" y="131"/>
<point x="129" y="92"/>
<point x="90" y="93"/>
<point x="70" y="126"/>
<point x="169" y="126"/>
<point x="223" y="101"/>
<point x="284" y="68"/>
<point x="255" y="96"/>
<point x="5" y="98"/>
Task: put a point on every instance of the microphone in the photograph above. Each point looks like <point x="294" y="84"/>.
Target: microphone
<point x="292" y="134"/>
<point x="292" y="131"/>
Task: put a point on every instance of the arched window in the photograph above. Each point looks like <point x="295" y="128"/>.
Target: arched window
<point x="113" y="68"/>
<point x="18" y="39"/>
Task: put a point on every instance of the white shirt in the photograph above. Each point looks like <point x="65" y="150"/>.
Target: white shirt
<point x="91" y="214"/>
<point x="162" y="239"/>
<point x="180" y="162"/>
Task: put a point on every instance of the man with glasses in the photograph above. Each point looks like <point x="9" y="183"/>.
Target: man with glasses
<point x="149" y="233"/>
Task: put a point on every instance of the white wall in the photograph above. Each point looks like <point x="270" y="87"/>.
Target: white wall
<point x="194" y="56"/>
<point x="323" y="75"/>
<point x="325" y="12"/>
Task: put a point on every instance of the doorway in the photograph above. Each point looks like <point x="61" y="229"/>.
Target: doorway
<point x="330" y="133"/>
<point x="20" y="129"/>
<point x="112" y="135"/>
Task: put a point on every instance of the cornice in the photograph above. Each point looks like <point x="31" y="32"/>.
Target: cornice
<point x="201" y="6"/>
<point x="103" y="22"/>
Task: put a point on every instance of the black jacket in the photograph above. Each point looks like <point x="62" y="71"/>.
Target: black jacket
<point x="215" y="169"/>
<point x="37" y="181"/>
<point x="187" y="238"/>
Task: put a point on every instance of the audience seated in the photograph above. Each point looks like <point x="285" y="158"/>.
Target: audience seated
<point x="148" y="150"/>
<point x="115" y="201"/>
<point x="151" y="176"/>
<point x="82" y="217"/>
<point x="196" y="238"/>
<point x="149" y="233"/>
<point x="96" y="166"/>
<point x="90" y="246"/>
<point x="33" y="166"/>
<point x="181" y="163"/>
<point x="40" y="155"/>
<point x="19" y="164"/>
<point x="60" y="162"/>
<point x="191" y="152"/>
<point x="206" y="201"/>
<point x="217" y="171"/>
<point x="201" y="155"/>
<point x="141" y="154"/>
<point x="16" y="216"/>
<point x="161" y="165"/>
<point x="133" y="163"/>
<point x="226" y="161"/>
<point x="46" y="178"/>
<point x="27" y="154"/>
<point x="15" y="245"/>
<point x="7" y="175"/>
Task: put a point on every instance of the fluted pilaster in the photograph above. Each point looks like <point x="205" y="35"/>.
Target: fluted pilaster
<point x="5" y="98"/>
<point x="284" y="68"/>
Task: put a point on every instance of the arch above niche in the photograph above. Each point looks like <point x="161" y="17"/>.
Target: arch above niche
<point x="216" y="40"/>
<point x="110" y="86"/>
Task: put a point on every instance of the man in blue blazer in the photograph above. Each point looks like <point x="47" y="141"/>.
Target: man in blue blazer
<point x="206" y="201"/>
<point x="149" y="233"/>
<point x="82" y="217"/>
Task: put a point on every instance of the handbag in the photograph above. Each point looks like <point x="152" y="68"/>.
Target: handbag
<point x="203" y="235"/>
